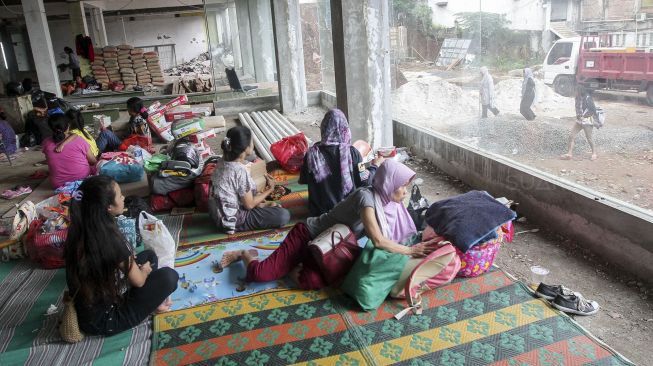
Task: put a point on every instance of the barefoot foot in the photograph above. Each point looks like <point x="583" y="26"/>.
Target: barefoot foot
<point x="165" y="306"/>
<point x="234" y="256"/>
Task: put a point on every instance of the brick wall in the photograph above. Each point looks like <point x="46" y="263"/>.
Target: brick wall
<point x="621" y="9"/>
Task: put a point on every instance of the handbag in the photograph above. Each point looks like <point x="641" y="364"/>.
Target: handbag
<point x="69" y="326"/>
<point x="335" y="250"/>
<point x="13" y="248"/>
<point x="417" y="206"/>
<point x="425" y="274"/>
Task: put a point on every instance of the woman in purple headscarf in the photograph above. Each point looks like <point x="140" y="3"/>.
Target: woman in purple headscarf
<point x="333" y="168"/>
<point x="376" y="212"/>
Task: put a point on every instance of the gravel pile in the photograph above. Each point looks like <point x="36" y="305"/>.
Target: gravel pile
<point x="509" y="134"/>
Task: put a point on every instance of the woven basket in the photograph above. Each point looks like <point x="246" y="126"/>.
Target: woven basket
<point x="69" y="327"/>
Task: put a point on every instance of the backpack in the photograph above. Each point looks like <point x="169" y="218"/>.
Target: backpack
<point x="423" y="274"/>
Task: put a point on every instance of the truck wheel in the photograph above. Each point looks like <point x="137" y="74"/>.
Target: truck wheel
<point x="649" y="95"/>
<point x="564" y="85"/>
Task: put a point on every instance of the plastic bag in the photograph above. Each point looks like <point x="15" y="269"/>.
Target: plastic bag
<point x="156" y="237"/>
<point x="290" y="152"/>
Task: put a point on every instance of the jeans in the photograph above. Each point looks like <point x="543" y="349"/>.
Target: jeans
<point x="139" y="302"/>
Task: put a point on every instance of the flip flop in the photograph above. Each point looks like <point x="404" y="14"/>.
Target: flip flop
<point x="16" y="192"/>
<point x="39" y="174"/>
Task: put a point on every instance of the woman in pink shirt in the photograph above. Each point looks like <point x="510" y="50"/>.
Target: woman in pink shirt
<point x="74" y="162"/>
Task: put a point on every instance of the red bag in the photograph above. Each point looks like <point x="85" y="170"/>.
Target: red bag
<point x="47" y="250"/>
<point x="335" y="251"/>
<point x="143" y="141"/>
<point x="203" y="187"/>
<point x="180" y="198"/>
<point x="290" y="152"/>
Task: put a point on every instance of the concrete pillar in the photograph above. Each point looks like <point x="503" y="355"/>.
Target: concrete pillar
<point x="99" y="28"/>
<point x="245" y="37"/>
<point x="361" y="44"/>
<point x="260" y="19"/>
<point x="235" y="39"/>
<point x="290" y="55"/>
<point x="41" y="44"/>
<point x="77" y="19"/>
<point x="326" y="47"/>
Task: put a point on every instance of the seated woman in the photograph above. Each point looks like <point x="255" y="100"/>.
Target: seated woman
<point x="377" y="212"/>
<point x="106" y="141"/>
<point x="234" y="203"/>
<point x="7" y="135"/>
<point x="334" y="153"/>
<point x="137" y="117"/>
<point x="76" y="160"/>
<point x="113" y="290"/>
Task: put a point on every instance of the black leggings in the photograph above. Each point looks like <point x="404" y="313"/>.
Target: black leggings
<point x="139" y="302"/>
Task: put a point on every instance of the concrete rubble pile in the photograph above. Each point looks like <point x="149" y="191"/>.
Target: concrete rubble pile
<point x="127" y="65"/>
<point x="199" y="65"/>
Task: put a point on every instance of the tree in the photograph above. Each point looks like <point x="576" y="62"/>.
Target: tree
<point x="492" y="26"/>
<point x="416" y="14"/>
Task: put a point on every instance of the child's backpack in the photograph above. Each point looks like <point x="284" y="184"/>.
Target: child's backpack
<point x="425" y="274"/>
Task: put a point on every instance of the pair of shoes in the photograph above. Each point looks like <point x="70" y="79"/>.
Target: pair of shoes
<point x="567" y="300"/>
<point x="16" y="192"/>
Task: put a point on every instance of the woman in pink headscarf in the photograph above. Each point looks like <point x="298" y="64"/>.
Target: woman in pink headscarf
<point x="376" y="212"/>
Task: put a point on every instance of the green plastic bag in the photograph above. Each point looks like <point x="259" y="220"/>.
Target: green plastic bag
<point x="373" y="275"/>
<point x="152" y="165"/>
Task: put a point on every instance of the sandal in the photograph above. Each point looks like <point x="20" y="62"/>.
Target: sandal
<point x="10" y="194"/>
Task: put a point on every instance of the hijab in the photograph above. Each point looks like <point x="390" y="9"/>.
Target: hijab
<point x="393" y="217"/>
<point x="335" y="132"/>
<point x="528" y="74"/>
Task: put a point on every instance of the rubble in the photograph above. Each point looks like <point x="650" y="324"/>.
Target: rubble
<point x="199" y="65"/>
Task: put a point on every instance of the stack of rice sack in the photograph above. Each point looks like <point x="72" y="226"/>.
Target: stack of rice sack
<point x="99" y="71"/>
<point x="125" y="66"/>
<point x="140" y="67"/>
<point x="110" y="55"/>
<point x="153" y="68"/>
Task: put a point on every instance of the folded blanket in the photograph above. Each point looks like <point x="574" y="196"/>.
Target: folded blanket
<point x="468" y="219"/>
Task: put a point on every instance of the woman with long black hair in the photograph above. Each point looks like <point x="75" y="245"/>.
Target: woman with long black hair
<point x="113" y="289"/>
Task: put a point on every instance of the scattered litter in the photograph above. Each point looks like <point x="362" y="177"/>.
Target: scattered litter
<point x="52" y="310"/>
<point x="199" y="65"/>
<point x="615" y="315"/>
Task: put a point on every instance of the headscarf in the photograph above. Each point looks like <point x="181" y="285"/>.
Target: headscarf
<point x="335" y="132"/>
<point x="394" y="219"/>
<point x="487" y="87"/>
<point x="528" y="74"/>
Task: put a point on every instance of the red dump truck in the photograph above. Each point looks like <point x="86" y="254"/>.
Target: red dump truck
<point x="592" y="61"/>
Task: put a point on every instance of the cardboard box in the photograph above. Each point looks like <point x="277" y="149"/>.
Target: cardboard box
<point x="185" y="127"/>
<point x="257" y="169"/>
<point x="179" y="112"/>
<point x="214" y="122"/>
<point x="203" y="149"/>
<point x="203" y="135"/>
<point x="182" y="99"/>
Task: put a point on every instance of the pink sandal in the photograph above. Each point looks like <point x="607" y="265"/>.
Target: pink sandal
<point x="10" y="194"/>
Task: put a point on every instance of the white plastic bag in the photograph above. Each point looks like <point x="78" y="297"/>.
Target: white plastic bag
<point x="156" y="237"/>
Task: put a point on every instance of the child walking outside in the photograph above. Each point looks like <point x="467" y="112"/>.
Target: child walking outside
<point x="234" y="202"/>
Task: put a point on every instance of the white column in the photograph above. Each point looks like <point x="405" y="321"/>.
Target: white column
<point x="99" y="28"/>
<point x="40" y="41"/>
<point x="77" y="19"/>
<point x="245" y="37"/>
<point x="361" y="47"/>
<point x="290" y="56"/>
<point x="235" y="38"/>
<point x="260" y="18"/>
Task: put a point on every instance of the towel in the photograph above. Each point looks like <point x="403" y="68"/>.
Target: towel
<point x="468" y="219"/>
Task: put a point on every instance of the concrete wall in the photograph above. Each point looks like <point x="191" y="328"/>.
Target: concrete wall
<point x="186" y="32"/>
<point x="615" y="230"/>
<point x="523" y="15"/>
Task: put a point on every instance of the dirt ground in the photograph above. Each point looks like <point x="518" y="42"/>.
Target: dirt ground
<point x="625" y="321"/>
<point x="624" y="169"/>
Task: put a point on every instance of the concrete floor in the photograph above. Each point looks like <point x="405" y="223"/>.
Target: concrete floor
<point x="625" y="321"/>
